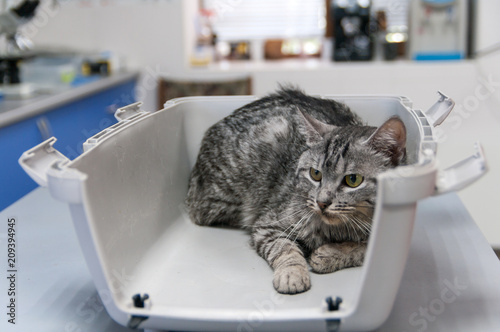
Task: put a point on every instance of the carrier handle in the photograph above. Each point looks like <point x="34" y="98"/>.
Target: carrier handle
<point x="463" y="173"/>
<point x="454" y="178"/>
<point x="440" y="110"/>
<point x="39" y="159"/>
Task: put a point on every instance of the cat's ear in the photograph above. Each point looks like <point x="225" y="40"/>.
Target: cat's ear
<point x="313" y="129"/>
<point x="390" y="140"/>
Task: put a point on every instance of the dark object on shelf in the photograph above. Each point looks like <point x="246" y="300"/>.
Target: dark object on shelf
<point x="394" y="50"/>
<point x="9" y="67"/>
<point x="9" y="71"/>
<point x="26" y="9"/>
<point x="238" y="50"/>
<point x="100" y="67"/>
<point x="275" y="49"/>
<point x="390" y="51"/>
<point x="272" y="49"/>
<point x="353" y="30"/>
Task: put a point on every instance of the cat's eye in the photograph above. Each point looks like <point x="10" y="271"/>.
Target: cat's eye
<point x="353" y="180"/>
<point x="315" y="174"/>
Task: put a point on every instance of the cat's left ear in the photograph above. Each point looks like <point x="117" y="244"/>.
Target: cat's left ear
<point x="313" y="129"/>
<point x="390" y="140"/>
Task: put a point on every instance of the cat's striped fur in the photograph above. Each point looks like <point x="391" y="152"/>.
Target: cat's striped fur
<point x="254" y="170"/>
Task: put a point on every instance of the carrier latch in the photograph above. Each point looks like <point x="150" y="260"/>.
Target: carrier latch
<point x="39" y="159"/>
<point x="126" y="112"/>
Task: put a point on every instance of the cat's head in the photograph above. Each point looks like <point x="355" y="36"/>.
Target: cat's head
<point x="338" y="172"/>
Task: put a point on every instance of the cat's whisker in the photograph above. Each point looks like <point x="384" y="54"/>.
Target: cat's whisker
<point x="290" y="226"/>
<point x="286" y="229"/>
<point x="355" y="222"/>
<point x="362" y="232"/>
<point x="290" y="215"/>
<point x="349" y="227"/>
<point x="294" y="228"/>
<point x="287" y="216"/>
<point x="363" y="225"/>
<point x="355" y="227"/>
<point x="365" y="216"/>
<point x="297" y="224"/>
<point x="346" y="223"/>
<point x="305" y="222"/>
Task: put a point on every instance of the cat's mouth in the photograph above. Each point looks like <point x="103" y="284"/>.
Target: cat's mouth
<point x="343" y="214"/>
<point x="334" y="217"/>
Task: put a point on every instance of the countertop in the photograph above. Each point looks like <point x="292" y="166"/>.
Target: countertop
<point x="14" y="110"/>
<point x="450" y="281"/>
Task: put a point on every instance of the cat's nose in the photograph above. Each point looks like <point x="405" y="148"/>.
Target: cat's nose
<point x="324" y="205"/>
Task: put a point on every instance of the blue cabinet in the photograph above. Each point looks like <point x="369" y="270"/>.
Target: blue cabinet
<point x="71" y="124"/>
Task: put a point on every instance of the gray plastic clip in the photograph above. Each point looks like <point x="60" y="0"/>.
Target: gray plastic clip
<point x="128" y="111"/>
<point x="333" y="304"/>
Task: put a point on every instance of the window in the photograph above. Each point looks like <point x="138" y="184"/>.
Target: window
<point x="263" y="19"/>
<point x="396" y="11"/>
<point x="277" y="29"/>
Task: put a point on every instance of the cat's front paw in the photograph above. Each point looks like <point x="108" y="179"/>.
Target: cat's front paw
<point x="332" y="257"/>
<point x="291" y="280"/>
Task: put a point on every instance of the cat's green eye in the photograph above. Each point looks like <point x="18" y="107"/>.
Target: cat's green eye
<point x="353" y="180"/>
<point x="315" y="174"/>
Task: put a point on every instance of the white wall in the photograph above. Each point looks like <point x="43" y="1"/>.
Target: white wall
<point x="487" y="23"/>
<point x="484" y="123"/>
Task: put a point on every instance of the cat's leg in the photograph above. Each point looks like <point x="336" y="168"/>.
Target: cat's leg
<point x="336" y="256"/>
<point x="291" y="273"/>
<point x="215" y="212"/>
<point x="209" y="205"/>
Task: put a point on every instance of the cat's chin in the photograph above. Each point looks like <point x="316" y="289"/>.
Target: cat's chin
<point x="330" y="219"/>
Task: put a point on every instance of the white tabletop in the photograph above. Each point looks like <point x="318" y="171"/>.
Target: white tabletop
<point x="451" y="281"/>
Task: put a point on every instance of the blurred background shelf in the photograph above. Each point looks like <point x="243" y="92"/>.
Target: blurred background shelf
<point x="71" y="116"/>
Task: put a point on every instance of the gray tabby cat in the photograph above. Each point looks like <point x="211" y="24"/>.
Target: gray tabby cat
<point x="299" y="173"/>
